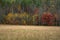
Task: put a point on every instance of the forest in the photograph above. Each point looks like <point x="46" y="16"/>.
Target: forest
<point x="30" y="12"/>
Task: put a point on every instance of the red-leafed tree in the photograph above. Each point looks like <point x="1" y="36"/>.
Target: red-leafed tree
<point x="47" y="18"/>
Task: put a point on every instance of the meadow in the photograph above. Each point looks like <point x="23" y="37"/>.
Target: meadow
<point x="29" y="33"/>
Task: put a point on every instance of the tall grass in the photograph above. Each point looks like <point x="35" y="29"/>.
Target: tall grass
<point x="27" y="34"/>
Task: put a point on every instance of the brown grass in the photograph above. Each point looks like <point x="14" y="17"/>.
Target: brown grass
<point x="11" y="32"/>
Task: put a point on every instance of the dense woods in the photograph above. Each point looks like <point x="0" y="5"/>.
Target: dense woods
<point x="30" y="12"/>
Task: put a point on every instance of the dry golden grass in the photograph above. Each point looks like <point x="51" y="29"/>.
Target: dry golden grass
<point x="11" y="32"/>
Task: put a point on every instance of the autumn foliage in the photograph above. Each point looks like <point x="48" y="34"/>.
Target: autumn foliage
<point x="29" y="12"/>
<point x="47" y="18"/>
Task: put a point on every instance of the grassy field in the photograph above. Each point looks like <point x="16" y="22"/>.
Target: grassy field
<point x="29" y="33"/>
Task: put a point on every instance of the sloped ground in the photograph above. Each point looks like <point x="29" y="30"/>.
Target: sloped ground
<point x="11" y="32"/>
